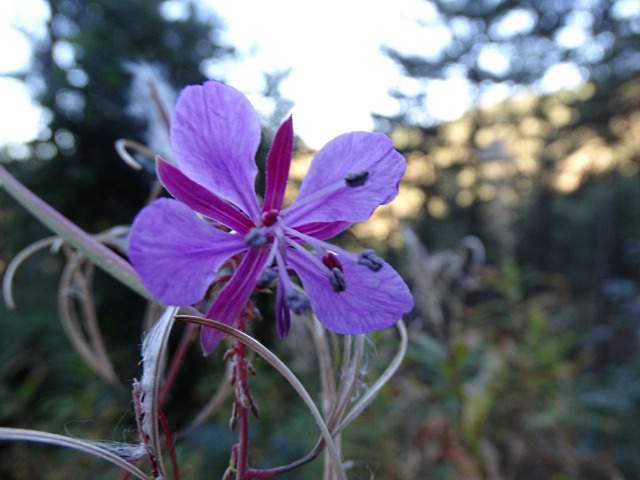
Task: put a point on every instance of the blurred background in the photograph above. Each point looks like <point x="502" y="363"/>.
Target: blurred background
<point x="517" y="223"/>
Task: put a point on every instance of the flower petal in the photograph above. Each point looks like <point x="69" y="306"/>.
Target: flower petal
<point x="371" y="300"/>
<point x="177" y="254"/>
<point x="323" y="230"/>
<point x="278" y="163"/>
<point x="233" y="297"/>
<point x="324" y="195"/>
<point x="200" y="199"/>
<point x="215" y="133"/>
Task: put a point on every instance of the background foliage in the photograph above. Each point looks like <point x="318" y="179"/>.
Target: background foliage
<point x="522" y="366"/>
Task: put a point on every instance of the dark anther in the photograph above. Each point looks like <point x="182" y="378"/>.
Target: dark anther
<point x="331" y="261"/>
<point x="337" y="280"/>
<point x="369" y="259"/>
<point x="266" y="278"/>
<point x="297" y="302"/>
<point x="356" y="179"/>
<point x="255" y="238"/>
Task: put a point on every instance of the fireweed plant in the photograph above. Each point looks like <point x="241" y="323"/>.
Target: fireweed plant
<point x="215" y="134"/>
<point x="205" y="252"/>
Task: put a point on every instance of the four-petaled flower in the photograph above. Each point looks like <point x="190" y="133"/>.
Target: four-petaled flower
<point x="215" y="133"/>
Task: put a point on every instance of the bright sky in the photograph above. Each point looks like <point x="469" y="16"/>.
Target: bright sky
<point x="338" y="75"/>
<point x="19" y="117"/>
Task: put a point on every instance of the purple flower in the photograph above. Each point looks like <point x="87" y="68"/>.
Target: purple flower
<point x="215" y="133"/>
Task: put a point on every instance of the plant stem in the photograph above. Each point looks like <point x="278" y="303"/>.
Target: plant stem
<point x="244" y="403"/>
<point x="242" y="411"/>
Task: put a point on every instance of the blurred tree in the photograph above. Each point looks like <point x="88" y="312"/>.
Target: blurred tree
<point x="83" y="70"/>
<point x="494" y="46"/>
<point x="496" y="49"/>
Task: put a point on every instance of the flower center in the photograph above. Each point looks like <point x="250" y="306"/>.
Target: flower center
<point x="262" y="235"/>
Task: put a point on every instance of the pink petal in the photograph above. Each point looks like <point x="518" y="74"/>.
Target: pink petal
<point x="371" y="300"/>
<point x="177" y="254"/>
<point x="233" y="298"/>
<point x="215" y="133"/>
<point x="200" y="199"/>
<point x="324" y="196"/>
<point x="278" y="163"/>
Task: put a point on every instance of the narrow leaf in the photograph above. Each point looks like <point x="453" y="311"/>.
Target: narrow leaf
<point x="102" y="256"/>
<point x="92" y="448"/>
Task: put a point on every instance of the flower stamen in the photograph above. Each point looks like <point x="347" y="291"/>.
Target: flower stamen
<point x="329" y="264"/>
<point x="337" y="280"/>
<point x="369" y="259"/>
<point x="356" y="179"/>
<point x="313" y="242"/>
<point x="331" y="261"/>
<point x="270" y="217"/>
<point x="255" y="238"/>
<point x="266" y="278"/>
<point x="297" y="302"/>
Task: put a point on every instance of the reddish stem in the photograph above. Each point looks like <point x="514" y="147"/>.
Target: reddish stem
<point x="242" y="465"/>
<point x="244" y="401"/>
<point x="170" y="445"/>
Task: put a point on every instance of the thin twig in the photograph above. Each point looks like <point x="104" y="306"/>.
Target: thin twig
<point x="368" y="397"/>
<point x="95" y="357"/>
<point x="12" y="268"/>
<point x="360" y="405"/>
<point x="325" y="366"/>
<point x="123" y="145"/>
<point x="348" y="383"/>
<point x="162" y="110"/>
